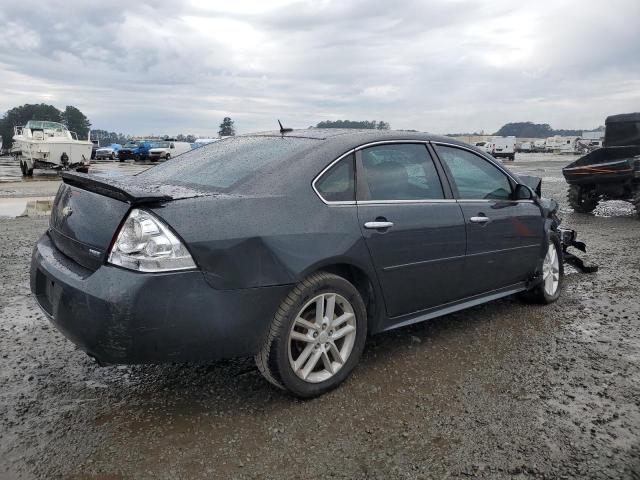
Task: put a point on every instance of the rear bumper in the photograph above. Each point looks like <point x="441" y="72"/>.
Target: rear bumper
<point x="123" y="317"/>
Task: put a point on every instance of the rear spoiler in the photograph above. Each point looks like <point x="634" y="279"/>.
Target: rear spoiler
<point x="129" y="192"/>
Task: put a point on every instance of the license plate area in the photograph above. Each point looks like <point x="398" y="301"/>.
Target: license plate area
<point x="45" y="292"/>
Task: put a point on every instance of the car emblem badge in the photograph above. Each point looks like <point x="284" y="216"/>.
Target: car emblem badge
<point x="67" y="211"/>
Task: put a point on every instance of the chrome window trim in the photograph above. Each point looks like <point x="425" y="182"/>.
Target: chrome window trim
<point x="385" y="142"/>
<point x="435" y="200"/>
<point x="378" y="202"/>
<point x="337" y="203"/>
<point x="487" y="200"/>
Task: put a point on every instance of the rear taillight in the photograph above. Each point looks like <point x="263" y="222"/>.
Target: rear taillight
<point x="146" y="244"/>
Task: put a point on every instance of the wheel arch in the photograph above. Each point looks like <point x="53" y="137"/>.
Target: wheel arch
<point x="366" y="284"/>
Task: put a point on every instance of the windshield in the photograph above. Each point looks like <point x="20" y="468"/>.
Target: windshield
<point x="160" y="145"/>
<point x="131" y="145"/>
<point x="222" y="165"/>
<point x="42" y="125"/>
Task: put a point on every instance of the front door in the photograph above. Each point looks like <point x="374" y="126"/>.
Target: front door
<point x="415" y="234"/>
<point x="504" y="236"/>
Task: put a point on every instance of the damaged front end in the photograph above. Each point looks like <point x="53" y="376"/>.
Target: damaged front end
<point x="566" y="236"/>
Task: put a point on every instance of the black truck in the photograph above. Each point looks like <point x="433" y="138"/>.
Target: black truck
<point x="611" y="172"/>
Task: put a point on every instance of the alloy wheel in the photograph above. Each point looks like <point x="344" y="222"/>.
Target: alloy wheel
<point x="322" y="337"/>
<point x="551" y="270"/>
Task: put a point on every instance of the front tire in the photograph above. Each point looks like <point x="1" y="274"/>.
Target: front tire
<point x="581" y="199"/>
<point x="316" y="337"/>
<point x="548" y="291"/>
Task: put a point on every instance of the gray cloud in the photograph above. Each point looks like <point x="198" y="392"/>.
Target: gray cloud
<point x="156" y="67"/>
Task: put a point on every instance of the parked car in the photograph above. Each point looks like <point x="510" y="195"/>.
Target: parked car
<point x="540" y="146"/>
<point x="486" y="147"/>
<point x="504" y="147"/>
<point x="137" y="150"/>
<point x="524" y="147"/>
<point x="108" y="153"/>
<point x="167" y="149"/>
<point x="291" y="246"/>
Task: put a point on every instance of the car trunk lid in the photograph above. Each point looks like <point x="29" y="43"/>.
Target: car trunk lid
<point x="88" y="210"/>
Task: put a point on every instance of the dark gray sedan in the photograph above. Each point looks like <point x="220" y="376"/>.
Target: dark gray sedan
<point x="292" y="247"/>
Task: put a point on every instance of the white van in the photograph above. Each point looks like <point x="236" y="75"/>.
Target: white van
<point x="166" y="149"/>
<point x="504" y="147"/>
<point x="485" y="146"/>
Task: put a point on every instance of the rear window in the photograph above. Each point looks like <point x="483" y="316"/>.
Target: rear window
<point x="225" y="164"/>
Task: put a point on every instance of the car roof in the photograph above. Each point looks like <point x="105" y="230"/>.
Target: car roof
<point x="356" y="136"/>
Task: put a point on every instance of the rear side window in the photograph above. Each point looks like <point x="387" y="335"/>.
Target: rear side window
<point x="399" y="172"/>
<point x="474" y="177"/>
<point x="222" y="165"/>
<point x="338" y="183"/>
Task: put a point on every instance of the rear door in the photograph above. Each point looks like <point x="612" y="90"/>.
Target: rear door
<point x="413" y="227"/>
<point x="504" y="236"/>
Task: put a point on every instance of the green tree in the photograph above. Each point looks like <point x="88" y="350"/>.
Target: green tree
<point x="76" y="121"/>
<point x="226" y="128"/>
<point x="18" y="116"/>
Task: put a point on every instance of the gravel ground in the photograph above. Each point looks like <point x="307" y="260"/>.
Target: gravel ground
<point x="504" y="390"/>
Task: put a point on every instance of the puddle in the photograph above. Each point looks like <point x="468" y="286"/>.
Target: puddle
<point x="25" y="207"/>
<point x="10" y="170"/>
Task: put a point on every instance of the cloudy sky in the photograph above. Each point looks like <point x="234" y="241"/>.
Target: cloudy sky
<point x="145" y="67"/>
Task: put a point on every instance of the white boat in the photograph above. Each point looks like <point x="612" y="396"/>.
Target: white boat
<point x="49" y="145"/>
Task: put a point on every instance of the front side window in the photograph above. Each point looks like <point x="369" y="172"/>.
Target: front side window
<point x="338" y="183"/>
<point x="399" y="172"/>
<point x="474" y="177"/>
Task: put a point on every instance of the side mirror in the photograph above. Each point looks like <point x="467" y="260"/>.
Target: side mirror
<point x="172" y="146"/>
<point x="523" y="192"/>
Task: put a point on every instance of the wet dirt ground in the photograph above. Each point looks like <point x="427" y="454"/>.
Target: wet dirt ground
<point x="504" y="390"/>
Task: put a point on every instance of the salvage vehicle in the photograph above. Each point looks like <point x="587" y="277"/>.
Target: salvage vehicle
<point x="611" y="172"/>
<point x="108" y="153"/>
<point x="165" y="149"/>
<point x="137" y="150"/>
<point x="291" y="246"/>
<point x="504" y="147"/>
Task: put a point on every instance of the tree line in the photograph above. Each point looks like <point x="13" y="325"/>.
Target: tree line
<point x="536" y="130"/>
<point x="70" y="117"/>
<point x="363" y="124"/>
<point x="76" y="121"/>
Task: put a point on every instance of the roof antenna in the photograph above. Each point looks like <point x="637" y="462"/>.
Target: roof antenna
<point x="284" y="130"/>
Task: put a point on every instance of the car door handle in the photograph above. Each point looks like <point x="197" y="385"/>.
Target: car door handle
<point x="481" y="219"/>
<point x="376" y="225"/>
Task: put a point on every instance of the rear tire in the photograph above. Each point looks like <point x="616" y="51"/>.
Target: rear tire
<point x="548" y="291"/>
<point x="312" y="362"/>
<point x="581" y="199"/>
<point x="23" y="168"/>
